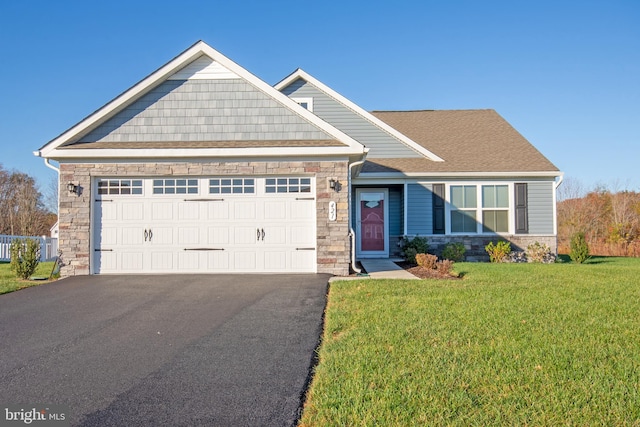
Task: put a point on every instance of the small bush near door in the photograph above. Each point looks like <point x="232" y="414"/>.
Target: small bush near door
<point x="412" y="247"/>
<point x="25" y="257"/>
<point x="498" y="252"/>
<point x="454" y="252"/>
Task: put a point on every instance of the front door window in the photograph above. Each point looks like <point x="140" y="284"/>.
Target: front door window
<point x="372" y="219"/>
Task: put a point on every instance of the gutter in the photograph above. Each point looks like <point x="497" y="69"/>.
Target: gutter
<point x="352" y="233"/>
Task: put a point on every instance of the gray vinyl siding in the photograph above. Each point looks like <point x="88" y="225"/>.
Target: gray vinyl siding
<point x="540" y="204"/>
<point x="205" y="110"/>
<point x="419" y="209"/>
<point x="380" y="143"/>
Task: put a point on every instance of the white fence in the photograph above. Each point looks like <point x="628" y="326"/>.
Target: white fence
<point x="48" y="246"/>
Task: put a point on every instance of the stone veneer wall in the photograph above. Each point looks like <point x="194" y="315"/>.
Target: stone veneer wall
<point x="333" y="248"/>
<point x="475" y="245"/>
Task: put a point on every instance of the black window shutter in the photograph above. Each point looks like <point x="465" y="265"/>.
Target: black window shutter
<point x="522" y="209"/>
<point x="438" y="208"/>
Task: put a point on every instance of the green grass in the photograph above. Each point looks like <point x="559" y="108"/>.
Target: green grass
<point x="9" y="282"/>
<point x="510" y="344"/>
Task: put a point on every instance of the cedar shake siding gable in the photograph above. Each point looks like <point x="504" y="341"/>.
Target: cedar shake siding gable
<point x="203" y="111"/>
<point x="468" y="141"/>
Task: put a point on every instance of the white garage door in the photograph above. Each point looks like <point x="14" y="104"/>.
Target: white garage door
<point x="200" y="225"/>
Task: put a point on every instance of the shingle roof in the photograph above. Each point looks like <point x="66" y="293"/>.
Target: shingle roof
<point x="467" y="140"/>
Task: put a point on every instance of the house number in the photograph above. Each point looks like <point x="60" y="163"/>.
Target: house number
<point x="332" y="211"/>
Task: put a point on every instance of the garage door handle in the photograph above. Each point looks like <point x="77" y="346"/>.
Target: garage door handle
<point x="150" y="234"/>
<point x="146" y="234"/>
<point x="103" y="250"/>
<point x="263" y="234"/>
<point x="258" y="234"/>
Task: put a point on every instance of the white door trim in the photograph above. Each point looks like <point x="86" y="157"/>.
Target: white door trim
<point x="372" y="254"/>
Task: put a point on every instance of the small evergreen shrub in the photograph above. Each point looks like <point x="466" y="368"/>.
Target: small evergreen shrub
<point x="498" y="252"/>
<point x="427" y="261"/>
<point x="444" y="267"/>
<point x="25" y="257"/>
<point x="412" y="247"/>
<point x="579" y="249"/>
<point x="454" y="252"/>
<point x="540" y="253"/>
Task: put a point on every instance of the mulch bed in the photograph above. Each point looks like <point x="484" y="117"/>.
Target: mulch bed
<point x="425" y="273"/>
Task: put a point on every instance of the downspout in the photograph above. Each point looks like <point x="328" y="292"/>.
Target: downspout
<point x="352" y="233"/>
<point x="555" y="203"/>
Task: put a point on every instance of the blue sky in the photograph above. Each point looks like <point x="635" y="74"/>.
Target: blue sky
<point x="565" y="74"/>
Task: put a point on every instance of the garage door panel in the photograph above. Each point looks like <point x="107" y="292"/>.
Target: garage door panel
<point x="188" y="236"/>
<point x="130" y="236"/>
<point x="223" y="232"/>
<point x="244" y="210"/>
<point x="218" y="260"/>
<point x="218" y="210"/>
<point x="131" y="260"/>
<point x="275" y="210"/>
<point x="162" y="235"/>
<point x="162" y="261"/>
<point x="189" y="211"/>
<point x="245" y="235"/>
<point x="217" y="235"/>
<point x="161" y="211"/>
<point x="132" y="211"/>
<point x="245" y="260"/>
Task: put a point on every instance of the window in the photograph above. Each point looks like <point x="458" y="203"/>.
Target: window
<point x="120" y="186"/>
<point x="495" y="208"/>
<point x="175" y="186"/>
<point x="232" y="186"/>
<point x="463" y="209"/>
<point x="306" y="103"/>
<point x="288" y="185"/>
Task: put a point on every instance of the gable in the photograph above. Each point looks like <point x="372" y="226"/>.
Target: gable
<point x="204" y="110"/>
<point x="198" y="105"/>
<point x="380" y="143"/>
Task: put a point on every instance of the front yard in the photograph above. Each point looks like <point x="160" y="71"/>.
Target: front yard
<point x="510" y="344"/>
<point x="9" y="282"/>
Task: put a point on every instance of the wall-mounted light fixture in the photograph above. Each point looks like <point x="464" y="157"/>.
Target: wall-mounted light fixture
<point x="73" y="188"/>
<point x="332" y="184"/>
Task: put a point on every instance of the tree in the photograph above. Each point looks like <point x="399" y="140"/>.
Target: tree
<point x="22" y="211"/>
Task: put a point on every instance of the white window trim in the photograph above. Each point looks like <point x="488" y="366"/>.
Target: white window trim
<point x="479" y="209"/>
<point x="304" y="100"/>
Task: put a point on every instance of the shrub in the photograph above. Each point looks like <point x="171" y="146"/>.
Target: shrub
<point x="454" y="251"/>
<point x="412" y="247"/>
<point x="540" y="253"/>
<point x="427" y="261"/>
<point x="498" y="252"/>
<point x="444" y="267"/>
<point x="25" y="257"/>
<point x="579" y="248"/>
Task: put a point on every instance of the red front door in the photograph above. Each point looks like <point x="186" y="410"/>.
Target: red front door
<point x="372" y="212"/>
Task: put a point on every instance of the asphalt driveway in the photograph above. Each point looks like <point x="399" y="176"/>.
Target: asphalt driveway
<point x="222" y="350"/>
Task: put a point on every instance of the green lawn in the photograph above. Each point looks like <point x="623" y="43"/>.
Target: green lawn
<point x="510" y="344"/>
<point x="9" y="282"/>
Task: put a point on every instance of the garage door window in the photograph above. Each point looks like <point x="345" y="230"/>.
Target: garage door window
<point x="288" y="185"/>
<point x="175" y="186"/>
<point x="120" y="186"/>
<point x="232" y="186"/>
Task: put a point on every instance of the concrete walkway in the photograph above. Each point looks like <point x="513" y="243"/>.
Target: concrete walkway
<point x="385" y="269"/>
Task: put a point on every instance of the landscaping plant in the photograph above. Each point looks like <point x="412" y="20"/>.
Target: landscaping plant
<point x="427" y="261"/>
<point x="454" y="252"/>
<point x="579" y="248"/>
<point x="25" y="257"/>
<point x="498" y="252"/>
<point x="412" y="247"/>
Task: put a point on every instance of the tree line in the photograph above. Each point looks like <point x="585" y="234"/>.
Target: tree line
<point x="24" y="211"/>
<point x="610" y="219"/>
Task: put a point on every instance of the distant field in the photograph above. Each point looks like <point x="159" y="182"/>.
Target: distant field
<point x="510" y="344"/>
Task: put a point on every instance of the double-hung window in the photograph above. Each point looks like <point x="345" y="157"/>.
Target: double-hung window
<point x="495" y="208"/>
<point x="464" y="206"/>
<point x="479" y="208"/>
